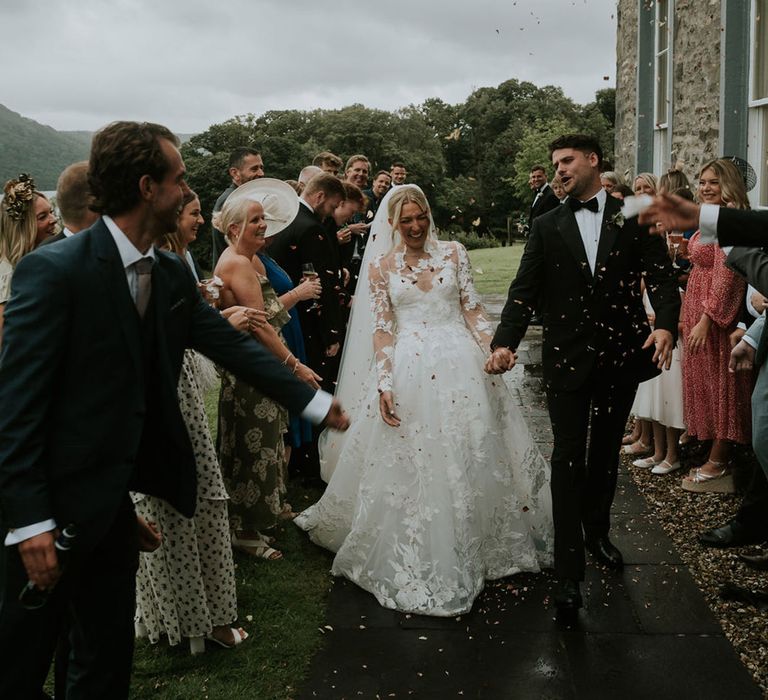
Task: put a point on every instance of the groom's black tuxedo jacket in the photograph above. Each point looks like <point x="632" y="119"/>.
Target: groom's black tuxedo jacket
<point x="590" y="322"/>
<point x="88" y="402"/>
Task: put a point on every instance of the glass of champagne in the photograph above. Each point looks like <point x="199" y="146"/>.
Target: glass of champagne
<point x="308" y="273"/>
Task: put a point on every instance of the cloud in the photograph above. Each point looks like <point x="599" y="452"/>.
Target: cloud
<point x="189" y="64"/>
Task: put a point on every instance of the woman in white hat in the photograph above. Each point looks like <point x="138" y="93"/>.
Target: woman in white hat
<point x="252" y="426"/>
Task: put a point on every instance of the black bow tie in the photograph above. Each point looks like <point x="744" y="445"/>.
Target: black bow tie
<point x="590" y="204"/>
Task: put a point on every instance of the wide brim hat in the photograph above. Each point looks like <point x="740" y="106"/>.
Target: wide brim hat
<point x="280" y="201"/>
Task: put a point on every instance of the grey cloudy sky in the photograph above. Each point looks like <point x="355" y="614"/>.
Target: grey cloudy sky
<point x="78" y="64"/>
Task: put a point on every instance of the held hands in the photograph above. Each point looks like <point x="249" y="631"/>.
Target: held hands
<point x="38" y="554"/>
<point x="742" y="357"/>
<point x="343" y="235"/>
<point x="668" y="212"/>
<point x="387" y="409"/>
<point x="336" y="418"/>
<point x="308" y="289"/>
<point x="501" y="360"/>
<point x="662" y="340"/>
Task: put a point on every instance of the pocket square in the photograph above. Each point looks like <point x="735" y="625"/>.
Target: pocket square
<point x="177" y="304"/>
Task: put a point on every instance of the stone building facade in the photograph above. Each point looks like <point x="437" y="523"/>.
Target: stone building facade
<point x="691" y="85"/>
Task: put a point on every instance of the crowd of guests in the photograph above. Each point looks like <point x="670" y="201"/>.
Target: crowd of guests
<point x="290" y="291"/>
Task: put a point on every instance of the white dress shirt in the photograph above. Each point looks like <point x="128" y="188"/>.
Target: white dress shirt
<point x="590" y="223"/>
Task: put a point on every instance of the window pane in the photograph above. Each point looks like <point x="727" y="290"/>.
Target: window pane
<point x="662" y="25"/>
<point x="760" y="65"/>
<point x="762" y="165"/>
<point x="662" y="106"/>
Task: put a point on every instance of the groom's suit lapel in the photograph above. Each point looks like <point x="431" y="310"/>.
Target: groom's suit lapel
<point x="112" y="272"/>
<point x="569" y="231"/>
<point x="608" y="234"/>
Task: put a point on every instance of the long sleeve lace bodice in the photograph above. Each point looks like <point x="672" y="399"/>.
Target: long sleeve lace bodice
<point x="422" y="301"/>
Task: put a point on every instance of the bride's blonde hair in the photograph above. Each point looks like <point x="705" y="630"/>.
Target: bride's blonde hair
<point x="409" y="194"/>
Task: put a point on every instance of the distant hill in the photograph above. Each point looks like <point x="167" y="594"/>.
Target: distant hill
<point x="43" y="152"/>
<point x="27" y="146"/>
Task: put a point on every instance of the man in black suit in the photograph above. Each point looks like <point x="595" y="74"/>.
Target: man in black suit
<point x="748" y="230"/>
<point x="307" y="241"/>
<point x="582" y="267"/>
<point x="544" y="198"/>
<point x="72" y="200"/>
<point x="95" y="333"/>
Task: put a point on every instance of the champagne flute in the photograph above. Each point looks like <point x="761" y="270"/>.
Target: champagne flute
<point x="308" y="273"/>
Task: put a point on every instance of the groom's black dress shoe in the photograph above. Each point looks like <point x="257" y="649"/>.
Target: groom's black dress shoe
<point x="604" y="552"/>
<point x="568" y="598"/>
<point x="731" y="534"/>
<point x="755" y="561"/>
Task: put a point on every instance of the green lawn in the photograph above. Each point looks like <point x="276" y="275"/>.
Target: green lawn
<point x="494" y="268"/>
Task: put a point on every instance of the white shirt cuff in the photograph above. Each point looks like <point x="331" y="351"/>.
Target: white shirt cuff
<point x="317" y="409"/>
<point x="708" y="215"/>
<point x="24" y="533"/>
<point x="741" y="326"/>
<point x="749" y="341"/>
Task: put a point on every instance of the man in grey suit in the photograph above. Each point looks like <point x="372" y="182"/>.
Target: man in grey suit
<point x="95" y="333"/>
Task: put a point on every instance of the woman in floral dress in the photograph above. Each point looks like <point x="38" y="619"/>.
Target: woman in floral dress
<point x="251" y="426"/>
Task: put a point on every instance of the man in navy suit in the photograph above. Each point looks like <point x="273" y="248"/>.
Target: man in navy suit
<point x="95" y="332"/>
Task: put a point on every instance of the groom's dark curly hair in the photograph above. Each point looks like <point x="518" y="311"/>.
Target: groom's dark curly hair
<point x="579" y="142"/>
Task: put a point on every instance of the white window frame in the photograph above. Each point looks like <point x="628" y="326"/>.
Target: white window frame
<point x="757" y="129"/>
<point x="662" y="154"/>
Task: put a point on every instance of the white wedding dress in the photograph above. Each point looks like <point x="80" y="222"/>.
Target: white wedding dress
<point x="423" y="514"/>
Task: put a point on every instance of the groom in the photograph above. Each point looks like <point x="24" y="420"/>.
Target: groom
<point x="581" y="271"/>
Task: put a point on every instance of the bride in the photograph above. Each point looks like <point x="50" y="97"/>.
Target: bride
<point x="437" y="486"/>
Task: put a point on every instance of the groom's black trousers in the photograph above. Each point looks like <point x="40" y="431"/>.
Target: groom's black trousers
<point x="588" y="424"/>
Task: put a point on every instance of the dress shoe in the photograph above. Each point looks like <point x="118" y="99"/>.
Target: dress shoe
<point x="755" y="561"/>
<point x="568" y="598"/>
<point x="732" y="534"/>
<point x="604" y="552"/>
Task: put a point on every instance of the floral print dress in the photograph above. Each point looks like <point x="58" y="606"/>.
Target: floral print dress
<point x="251" y="446"/>
<point x="716" y="401"/>
<point x="187" y="586"/>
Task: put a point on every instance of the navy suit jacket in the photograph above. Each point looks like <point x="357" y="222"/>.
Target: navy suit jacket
<point x="74" y="403"/>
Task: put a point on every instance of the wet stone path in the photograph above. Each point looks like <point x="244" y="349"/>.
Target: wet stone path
<point x="644" y="632"/>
